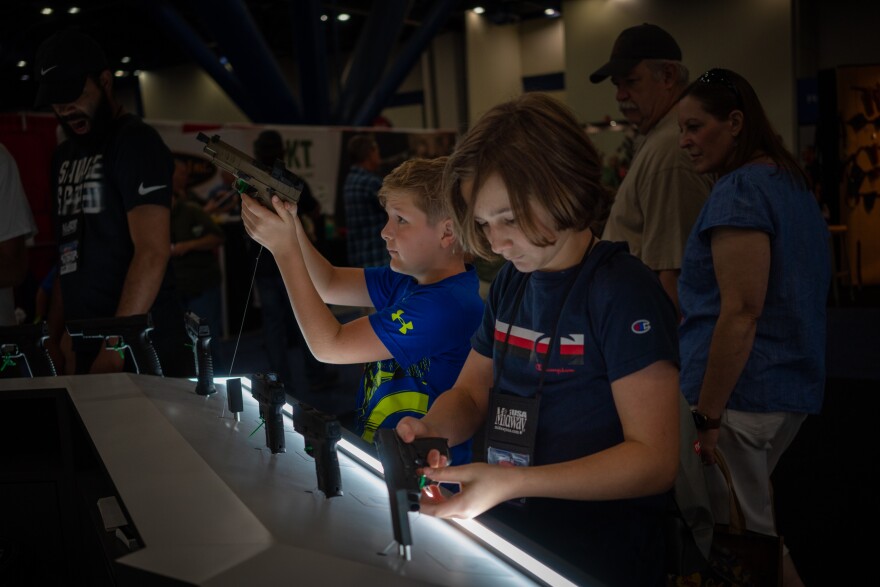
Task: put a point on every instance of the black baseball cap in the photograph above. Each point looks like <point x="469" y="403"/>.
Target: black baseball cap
<point x="635" y="44"/>
<point x="64" y="61"/>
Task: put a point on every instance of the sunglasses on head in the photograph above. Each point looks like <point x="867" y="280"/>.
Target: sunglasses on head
<point x="720" y="77"/>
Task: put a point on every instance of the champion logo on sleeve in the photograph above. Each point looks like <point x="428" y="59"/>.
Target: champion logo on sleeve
<point x="143" y="190"/>
<point x="640" y="326"/>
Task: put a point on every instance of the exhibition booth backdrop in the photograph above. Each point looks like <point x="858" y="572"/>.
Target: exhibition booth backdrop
<point x="317" y="154"/>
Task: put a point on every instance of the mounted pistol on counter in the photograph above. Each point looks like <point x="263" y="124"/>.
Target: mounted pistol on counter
<point x="321" y="432"/>
<point x="269" y="393"/>
<point x="253" y="177"/>
<point x="28" y="343"/>
<point x="130" y="332"/>
<point x="401" y="462"/>
<point x="200" y="334"/>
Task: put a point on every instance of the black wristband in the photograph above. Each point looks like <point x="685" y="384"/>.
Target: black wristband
<point x="704" y="422"/>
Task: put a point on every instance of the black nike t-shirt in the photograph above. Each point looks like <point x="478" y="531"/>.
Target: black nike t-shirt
<point x="95" y="189"/>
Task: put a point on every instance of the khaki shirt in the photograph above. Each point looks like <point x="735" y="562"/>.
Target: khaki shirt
<point x="659" y="199"/>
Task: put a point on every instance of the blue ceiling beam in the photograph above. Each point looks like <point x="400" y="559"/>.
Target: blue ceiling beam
<point x="170" y="20"/>
<point x="372" y="52"/>
<point x="310" y="47"/>
<point x="248" y="53"/>
<point x="404" y="63"/>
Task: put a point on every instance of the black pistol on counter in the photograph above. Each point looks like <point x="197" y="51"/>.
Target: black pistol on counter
<point x="200" y="334"/>
<point x="130" y="332"/>
<point x="269" y="393"/>
<point x="26" y="342"/>
<point x="401" y="462"/>
<point x="254" y="178"/>
<point x="320" y="432"/>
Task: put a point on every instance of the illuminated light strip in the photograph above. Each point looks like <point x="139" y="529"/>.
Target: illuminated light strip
<point x="510" y="552"/>
<point x="245" y="382"/>
<point x="364" y="458"/>
<point x="513" y="553"/>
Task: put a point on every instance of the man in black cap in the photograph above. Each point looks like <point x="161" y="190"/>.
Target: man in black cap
<point x="659" y="199"/>
<point x="112" y="183"/>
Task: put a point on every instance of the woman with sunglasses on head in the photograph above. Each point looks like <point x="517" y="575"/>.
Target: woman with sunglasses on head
<point x="753" y="289"/>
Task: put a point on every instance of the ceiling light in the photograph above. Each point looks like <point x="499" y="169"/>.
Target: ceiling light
<point x="343" y="16"/>
<point x="73" y="10"/>
<point x="323" y="18"/>
<point x="46" y="11"/>
<point x="125" y="59"/>
<point x="22" y="63"/>
<point x="119" y="73"/>
<point x="479" y="10"/>
<point x="551" y="12"/>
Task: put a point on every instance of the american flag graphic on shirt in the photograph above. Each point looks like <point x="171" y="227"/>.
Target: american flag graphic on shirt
<point x="523" y="343"/>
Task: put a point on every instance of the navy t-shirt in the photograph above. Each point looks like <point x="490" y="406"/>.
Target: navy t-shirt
<point x="615" y="320"/>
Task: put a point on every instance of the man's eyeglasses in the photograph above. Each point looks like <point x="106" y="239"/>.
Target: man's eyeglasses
<point x="721" y="77"/>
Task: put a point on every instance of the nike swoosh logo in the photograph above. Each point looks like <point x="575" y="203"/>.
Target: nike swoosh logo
<point x="144" y="191"/>
<point x="47" y="70"/>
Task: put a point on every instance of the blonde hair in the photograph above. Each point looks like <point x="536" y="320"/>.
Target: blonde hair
<point x="422" y="179"/>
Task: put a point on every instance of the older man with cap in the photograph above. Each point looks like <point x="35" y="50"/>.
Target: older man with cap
<point x="111" y="178"/>
<point x="659" y="199"/>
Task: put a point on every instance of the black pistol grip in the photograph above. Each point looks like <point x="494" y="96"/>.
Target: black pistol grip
<point x="327" y="468"/>
<point x="148" y="360"/>
<point x="205" y="367"/>
<point x="275" y="429"/>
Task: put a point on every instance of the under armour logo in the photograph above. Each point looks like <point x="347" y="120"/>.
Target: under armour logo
<point x="404" y="326"/>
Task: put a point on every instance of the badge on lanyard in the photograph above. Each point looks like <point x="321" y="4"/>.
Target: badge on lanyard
<point x="510" y="432"/>
<point x="511" y="429"/>
<point x="512" y="420"/>
<point x="69" y="245"/>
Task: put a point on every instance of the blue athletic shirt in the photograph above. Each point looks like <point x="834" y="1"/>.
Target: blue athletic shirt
<point x="427" y="329"/>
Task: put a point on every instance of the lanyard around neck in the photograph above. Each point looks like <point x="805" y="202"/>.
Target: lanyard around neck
<point x="520" y="293"/>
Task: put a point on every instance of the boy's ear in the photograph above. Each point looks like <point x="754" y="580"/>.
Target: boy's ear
<point x="448" y="236"/>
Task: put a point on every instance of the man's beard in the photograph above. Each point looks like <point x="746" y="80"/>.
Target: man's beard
<point x="99" y="125"/>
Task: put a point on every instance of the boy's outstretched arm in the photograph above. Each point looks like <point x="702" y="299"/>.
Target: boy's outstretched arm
<point x="328" y="339"/>
<point x="280" y="233"/>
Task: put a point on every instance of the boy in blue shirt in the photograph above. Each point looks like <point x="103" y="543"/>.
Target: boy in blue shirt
<point x="427" y="301"/>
